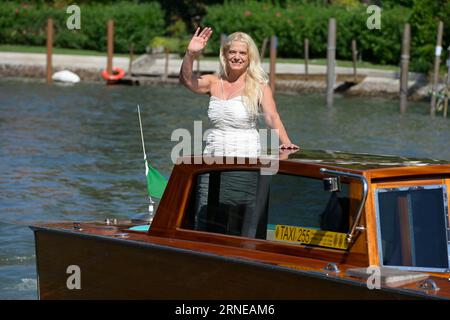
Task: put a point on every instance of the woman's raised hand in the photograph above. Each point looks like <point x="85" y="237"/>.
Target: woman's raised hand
<point x="199" y="40"/>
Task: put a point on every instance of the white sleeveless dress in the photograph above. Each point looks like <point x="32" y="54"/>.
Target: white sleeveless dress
<point x="232" y="133"/>
<point x="232" y="128"/>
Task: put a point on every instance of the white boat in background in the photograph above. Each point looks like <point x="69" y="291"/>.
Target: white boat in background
<point x="66" y="76"/>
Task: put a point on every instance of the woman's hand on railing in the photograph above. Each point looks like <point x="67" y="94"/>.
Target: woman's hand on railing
<point x="289" y="145"/>
<point x="284" y="153"/>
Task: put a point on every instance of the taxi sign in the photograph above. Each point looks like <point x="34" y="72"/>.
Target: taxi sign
<point x="300" y="235"/>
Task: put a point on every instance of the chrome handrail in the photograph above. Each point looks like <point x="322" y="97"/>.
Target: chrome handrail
<point x="365" y="191"/>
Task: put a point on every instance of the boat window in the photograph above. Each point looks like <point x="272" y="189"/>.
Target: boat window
<point x="413" y="223"/>
<point x="279" y="207"/>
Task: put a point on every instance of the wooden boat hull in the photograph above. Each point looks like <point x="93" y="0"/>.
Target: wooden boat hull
<point x="121" y="269"/>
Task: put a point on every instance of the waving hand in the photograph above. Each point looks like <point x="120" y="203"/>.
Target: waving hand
<point x="199" y="40"/>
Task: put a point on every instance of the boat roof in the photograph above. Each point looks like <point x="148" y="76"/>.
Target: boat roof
<point x="360" y="161"/>
<point x="378" y="165"/>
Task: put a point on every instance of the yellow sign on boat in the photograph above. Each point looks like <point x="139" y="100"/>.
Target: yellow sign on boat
<point x="300" y="235"/>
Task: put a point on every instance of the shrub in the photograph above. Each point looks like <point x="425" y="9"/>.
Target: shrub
<point x="294" y="22"/>
<point x="137" y="23"/>
<point x="424" y="24"/>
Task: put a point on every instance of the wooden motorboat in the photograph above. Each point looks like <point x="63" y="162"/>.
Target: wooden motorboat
<point x="327" y="225"/>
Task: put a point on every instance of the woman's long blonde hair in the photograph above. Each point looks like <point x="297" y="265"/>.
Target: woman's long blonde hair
<point x="255" y="77"/>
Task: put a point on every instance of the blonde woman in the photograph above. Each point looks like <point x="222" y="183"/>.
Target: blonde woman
<point x="237" y="96"/>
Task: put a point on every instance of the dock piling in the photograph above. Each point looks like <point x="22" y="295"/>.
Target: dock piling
<point x="223" y="39"/>
<point x="49" y="49"/>
<point x="331" y="61"/>
<point x="166" y="63"/>
<point x="447" y="84"/>
<point x="273" y="58"/>
<point x="306" y="49"/>
<point x="354" y="58"/>
<point x="262" y="53"/>
<point x="198" y="65"/>
<point x="404" y="62"/>
<point x="130" y="65"/>
<point x="110" y="44"/>
<point x="437" y="62"/>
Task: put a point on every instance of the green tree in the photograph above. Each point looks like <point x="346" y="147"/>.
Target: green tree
<point x="424" y="20"/>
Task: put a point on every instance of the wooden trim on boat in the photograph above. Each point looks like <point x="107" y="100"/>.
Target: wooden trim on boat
<point x="327" y="254"/>
<point x="425" y="181"/>
<point x="391" y="173"/>
<point x="447" y="184"/>
<point x="372" y="227"/>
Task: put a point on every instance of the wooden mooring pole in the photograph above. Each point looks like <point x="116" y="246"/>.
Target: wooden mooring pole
<point x="437" y="62"/>
<point x="130" y="63"/>
<point x="166" y="63"/>
<point x="354" y="58"/>
<point x="262" y="53"/>
<point x="49" y="49"/>
<point x="331" y="61"/>
<point x="223" y="39"/>
<point x="404" y="64"/>
<point x="273" y="62"/>
<point x="447" y="87"/>
<point x="110" y="43"/>
<point x="306" y="49"/>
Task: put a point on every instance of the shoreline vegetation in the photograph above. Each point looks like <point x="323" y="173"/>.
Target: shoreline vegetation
<point x="154" y="24"/>
<point x="157" y="26"/>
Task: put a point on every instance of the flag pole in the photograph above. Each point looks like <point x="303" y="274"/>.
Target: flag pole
<point x="150" y="207"/>
<point x="142" y="134"/>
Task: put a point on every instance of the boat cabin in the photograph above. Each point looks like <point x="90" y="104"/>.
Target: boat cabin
<point x="320" y="224"/>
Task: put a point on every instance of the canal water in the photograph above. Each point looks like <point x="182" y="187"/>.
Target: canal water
<point x="74" y="152"/>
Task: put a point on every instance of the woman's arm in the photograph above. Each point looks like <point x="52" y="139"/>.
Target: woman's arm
<point x="190" y="80"/>
<point x="273" y="120"/>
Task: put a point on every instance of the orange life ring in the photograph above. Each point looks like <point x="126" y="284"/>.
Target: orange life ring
<point x="118" y="73"/>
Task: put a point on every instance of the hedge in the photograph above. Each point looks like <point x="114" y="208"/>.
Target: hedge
<point x="295" y="22"/>
<point x="137" y="23"/>
<point x="292" y="22"/>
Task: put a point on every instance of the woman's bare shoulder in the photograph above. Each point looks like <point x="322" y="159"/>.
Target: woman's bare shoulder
<point x="213" y="80"/>
<point x="265" y="87"/>
<point x="206" y="82"/>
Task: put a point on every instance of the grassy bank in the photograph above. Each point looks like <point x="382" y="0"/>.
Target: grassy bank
<point x="320" y="62"/>
<point x="43" y="49"/>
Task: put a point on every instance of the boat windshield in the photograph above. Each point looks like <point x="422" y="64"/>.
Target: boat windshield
<point x="413" y="226"/>
<point x="281" y="207"/>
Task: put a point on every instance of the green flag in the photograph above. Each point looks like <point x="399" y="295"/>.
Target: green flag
<point x="156" y="183"/>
